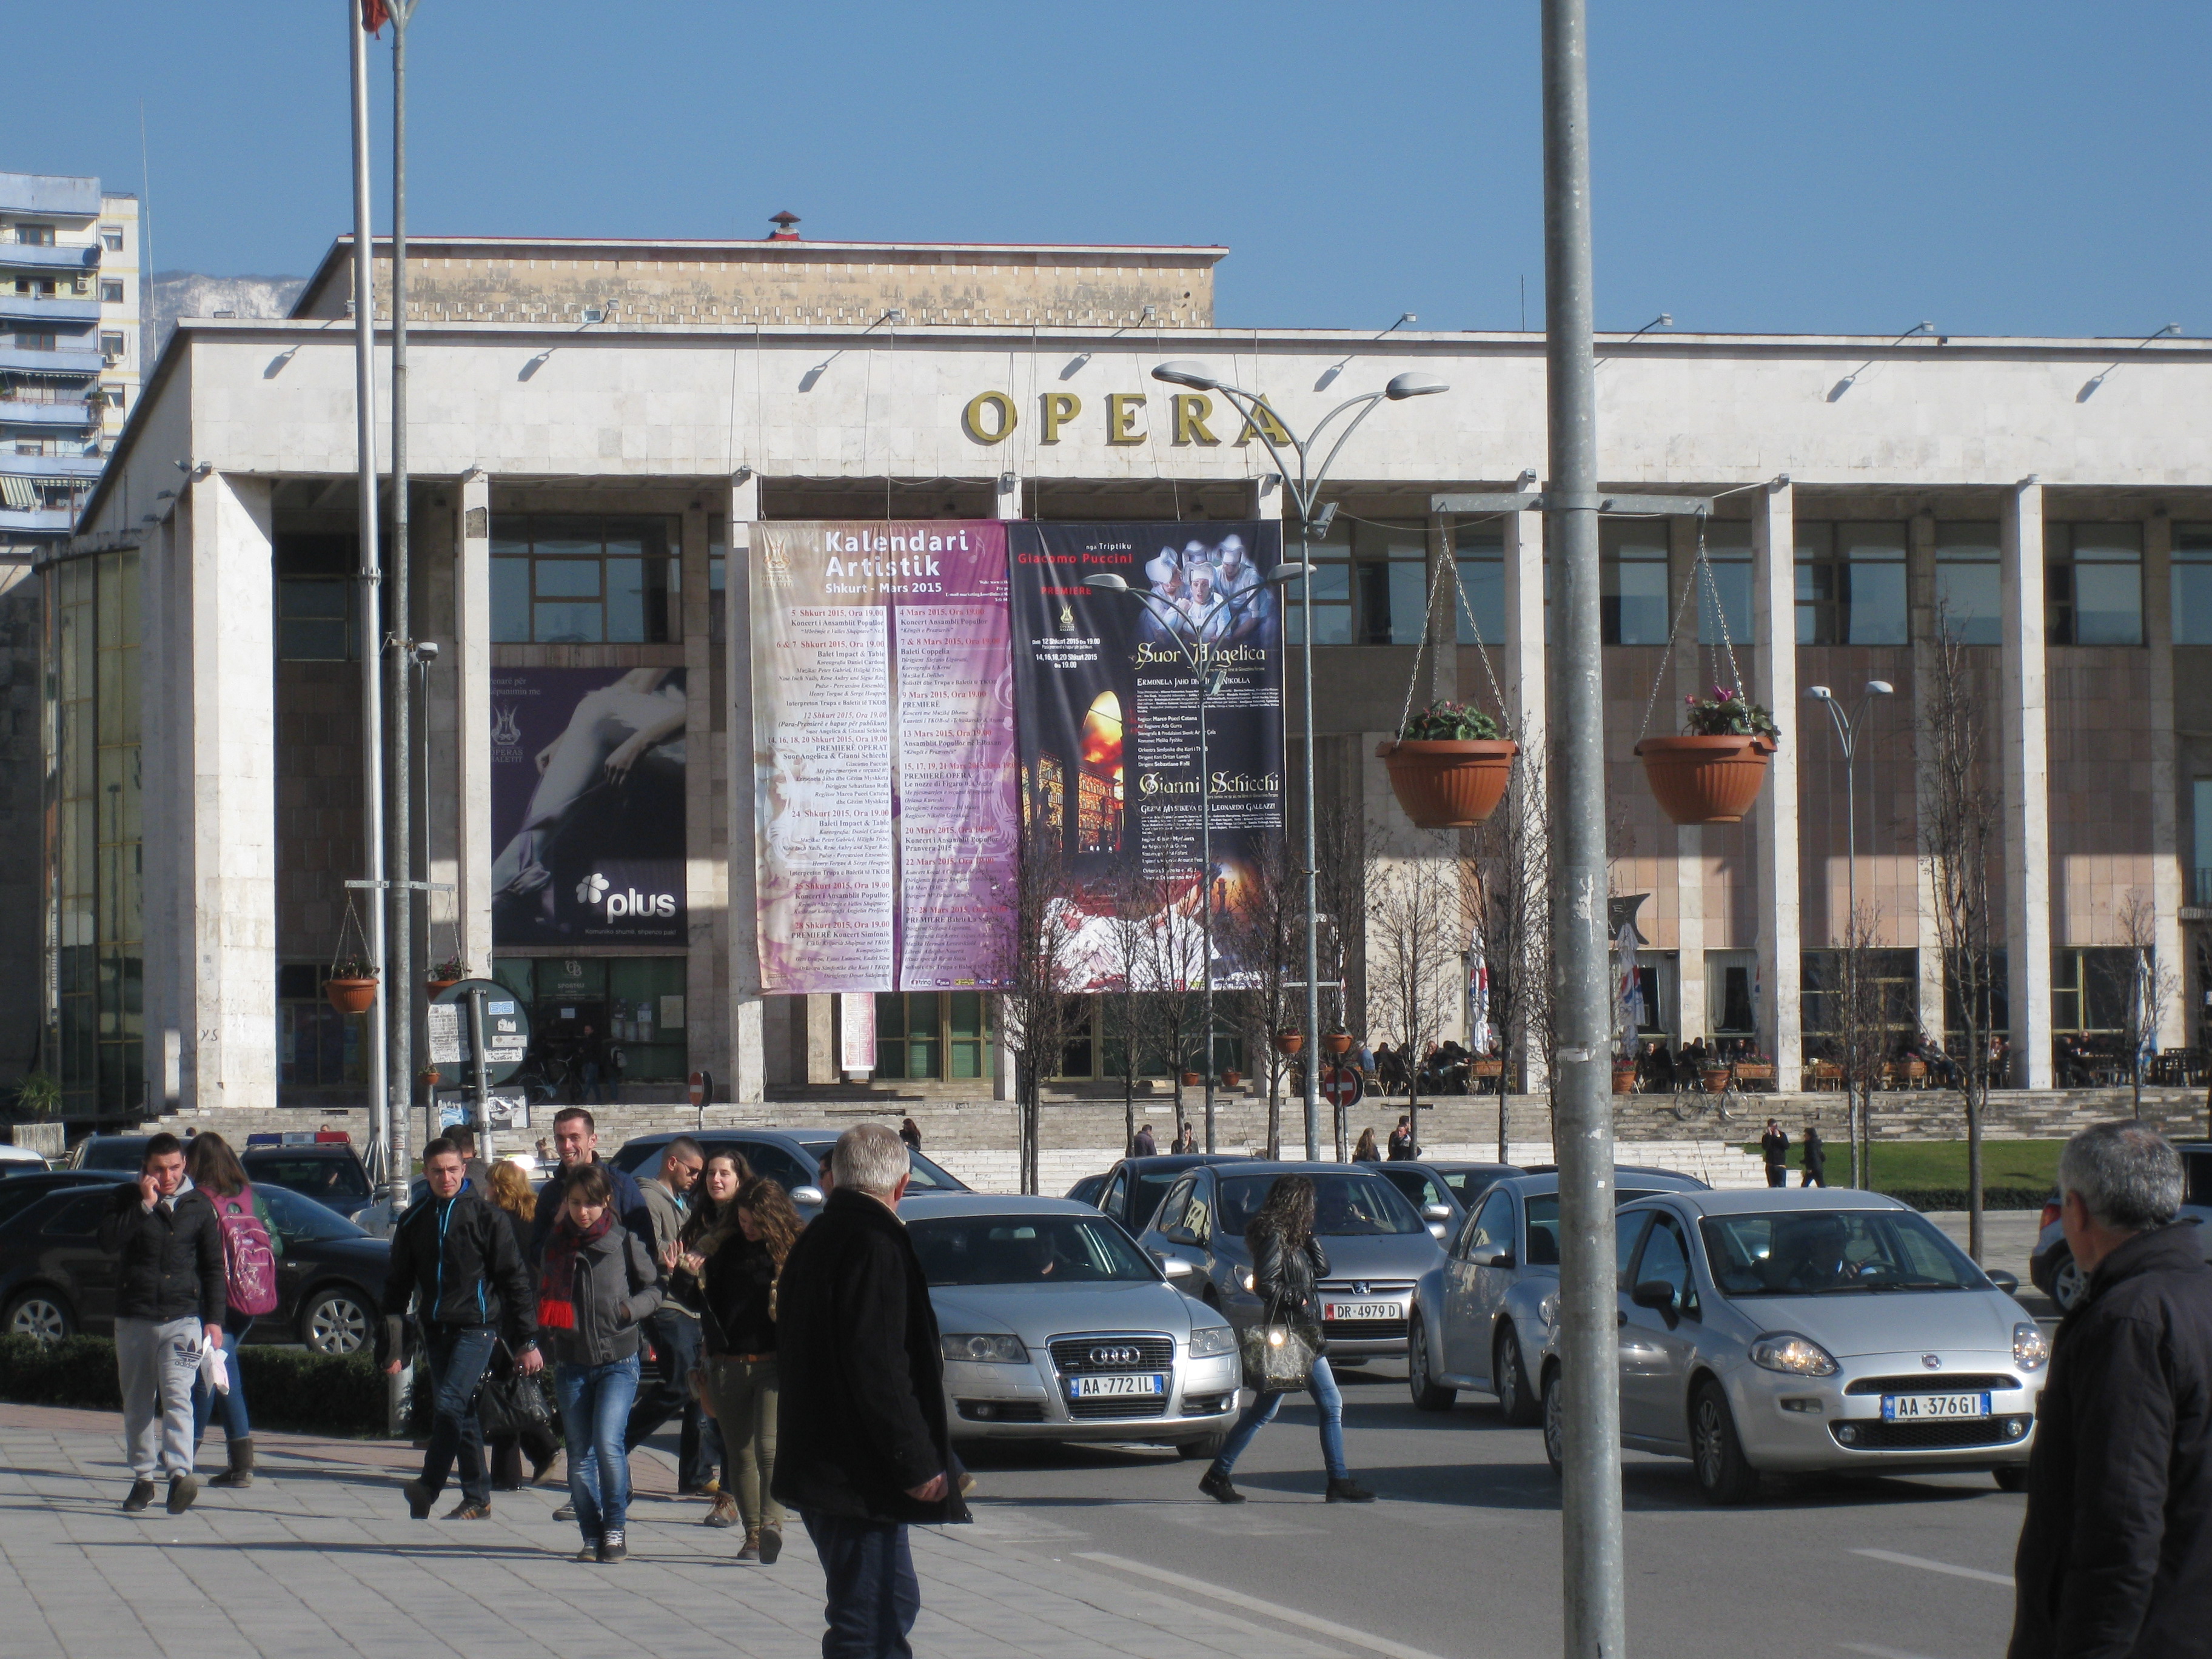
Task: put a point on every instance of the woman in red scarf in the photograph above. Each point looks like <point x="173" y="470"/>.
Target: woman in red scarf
<point x="598" y="1285"/>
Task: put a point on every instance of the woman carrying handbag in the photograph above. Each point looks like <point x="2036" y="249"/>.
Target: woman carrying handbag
<point x="1284" y="1350"/>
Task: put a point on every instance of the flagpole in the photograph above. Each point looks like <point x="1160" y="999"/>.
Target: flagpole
<point x="372" y="704"/>
<point x="402" y="892"/>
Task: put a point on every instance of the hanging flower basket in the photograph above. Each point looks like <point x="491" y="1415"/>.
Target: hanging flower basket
<point x="1337" y="1043"/>
<point x="1450" y="766"/>
<point x="351" y="993"/>
<point x="427" y="1077"/>
<point x="1191" y="1080"/>
<point x="1232" y="1078"/>
<point x="1289" y="1043"/>
<point x="1712" y="773"/>
<point x="438" y="987"/>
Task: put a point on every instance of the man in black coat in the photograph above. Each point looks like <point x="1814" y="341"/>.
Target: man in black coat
<point x="862" y="1446"/>
<point x="170" y="1296"/>
<point x="1816" y="1158"/>
<point x="1774" y="1147"/>
<point x="454" y="1257"/>
<point x="2115" y="1553"/>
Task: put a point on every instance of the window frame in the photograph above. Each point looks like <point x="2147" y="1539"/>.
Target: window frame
<point x="1828" y="617"/>
<point x="2063" y="563"/>
<point x="516" y="538"/>
<point x="1614" y="541"/>
<point x="2192" y="556"/>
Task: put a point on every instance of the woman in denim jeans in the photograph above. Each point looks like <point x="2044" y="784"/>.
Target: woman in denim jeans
<point x="1288" y="1265"/>
<point x="216" y="1170"/>
<point x="598" y="1285"/>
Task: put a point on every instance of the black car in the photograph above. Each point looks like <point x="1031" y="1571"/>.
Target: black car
<point x="55" y="1280"/>
<point x="791" y="1157"/>
<point x="329" y="1172"/>
<point x="1133" y="1189"/>
<point x="126" y="1153"/>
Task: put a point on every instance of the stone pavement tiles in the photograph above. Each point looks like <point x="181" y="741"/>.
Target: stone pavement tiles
<point x="319" y="1557"/>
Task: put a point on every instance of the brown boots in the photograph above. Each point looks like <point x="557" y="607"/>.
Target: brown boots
<point x="240" y="1472"/>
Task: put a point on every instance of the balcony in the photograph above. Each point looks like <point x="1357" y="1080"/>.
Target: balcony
<point x="75" y="416"/>
<point x="55" y="520"/>
<point x="55" y="467"/>
<point x="70" y="365"/>
<point x="48" y="261"/>
<point x="49" y="310"/>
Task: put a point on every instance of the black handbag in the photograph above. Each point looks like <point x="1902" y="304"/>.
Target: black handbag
<point x="511" y="1403"/>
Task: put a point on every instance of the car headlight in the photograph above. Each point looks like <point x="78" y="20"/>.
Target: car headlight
<point x="1245" y="1279"/>
<point x="1207" y="1341"/>
<point x="2030" y="1347"/>
<point x="981" y="1350"/>
<point x="1548" y="1308"/>
<point x="1799" y="1356"/>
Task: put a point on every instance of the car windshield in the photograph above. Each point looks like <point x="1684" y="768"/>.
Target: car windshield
<point x="302" y="1218"/>
<point x="317" y="1177"/>
<point x="120" y="1152"/>
<point x="1345" y="1205"/>
<point x="1833" y="1253"/>
<point x="1027" y="1249"/>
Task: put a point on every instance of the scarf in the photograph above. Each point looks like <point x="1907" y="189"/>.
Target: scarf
<point x="557" y="1286"/>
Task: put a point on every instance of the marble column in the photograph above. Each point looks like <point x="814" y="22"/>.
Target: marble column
<point x="748" y="1074"/>
<point x="1774" y="818"/>
<point x="2024" y="773"/>
<point x="1007" y="507"/>
<point x="1689" y="862"/>
<point x="1920" y="587"/>
<point x="706" y="882"/>
<point x="472" y="717"/>
<point x="1525" y="686"/>
<point x="2169" y="890"/>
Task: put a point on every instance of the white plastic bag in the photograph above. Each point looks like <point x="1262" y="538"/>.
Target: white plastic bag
<point x="213" y="1372"/>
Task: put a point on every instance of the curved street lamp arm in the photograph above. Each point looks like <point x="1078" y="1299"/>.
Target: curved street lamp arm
<point x="1247" y="404"/>
<point x="1372" y="400"/>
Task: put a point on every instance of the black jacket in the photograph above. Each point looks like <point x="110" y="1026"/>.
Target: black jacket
<point x="861" y="1417"/>
<point x="171" y="1256"/>
<point x="455" y="1258"/>
<point x="1287" y="1281"/>
<point x="1816" y="1154"/>
<point x="1775" y="1149"/>
<point x="617" y="1285"/>
<point x="2115" y="1554"/>
<point x="629" y="1207"/>
<point x="740" y="1288"/>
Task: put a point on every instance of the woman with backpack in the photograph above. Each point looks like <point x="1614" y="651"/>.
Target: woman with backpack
<point x="1288" y="1265"/>
<point x="250" y="1245"/>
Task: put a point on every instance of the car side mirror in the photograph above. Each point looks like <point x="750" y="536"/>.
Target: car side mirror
<point x="1174" y="1266"/>
<point x="1655" y="1294"/>
<point x="1436" y="1212"/>
<point x="1492" y="1259"/>
<point x="2008" y="1283"/>
<point x="806" y="1196"/>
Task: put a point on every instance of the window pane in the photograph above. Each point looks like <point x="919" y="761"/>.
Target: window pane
<point x="312" y="641"/>
<point x="1632" y="601"/>
<point x="2192" y="584"/>
<point x="560" y="536"/>
<point x="1877" y="607"/>
<point x="1728" y="552"/>
<point x="1482" y="581"/>
<point x="311" y="599"/>
<point x="1409" y="600"/>
<point x="567" y="579"/>
<point x="567" y="625"/>
<point x="625" y="600"/>
<point x="2107" y="604"/>
<point x="510" y="601"/>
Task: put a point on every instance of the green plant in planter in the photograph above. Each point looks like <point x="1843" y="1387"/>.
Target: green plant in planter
<point x="1724" y="714"/>
<point x="1451" y="722"/>
<point x="451" y="967"/>
<point x="39" y="1094"/>
<point x="353" y="968"/>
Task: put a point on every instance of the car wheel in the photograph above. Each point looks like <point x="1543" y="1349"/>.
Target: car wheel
<point x="1428" y="1396"/>
<point x="1725" y="1474"/>
<point x="2066" y="1281"/>
<point x="1516" y="1401"/>
<point x="2011" y="1478"/>
<point x="336" y="1322"/>
<point x="1555" y="1419"/>
<point x="1207" y="1446"/>
<point x="40" y="1315"/>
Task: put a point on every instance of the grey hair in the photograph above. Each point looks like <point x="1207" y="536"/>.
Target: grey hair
<point x="2126" y="1174"/>
<point x="870" y="1158"/>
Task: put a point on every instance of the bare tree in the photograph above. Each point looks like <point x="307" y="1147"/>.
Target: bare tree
<point x="2155" y="985"/>
<point x="1266" y="929"/>
<point x="1037" y="1009"/>
<point x="1511" y="856"/>
<point x="1960" y="836"/>
<point x="1416" y="918"/>
<point x="1172" y="963"/>
<point x="1134" y="1020"/>
<point x="1865" y="1021"/>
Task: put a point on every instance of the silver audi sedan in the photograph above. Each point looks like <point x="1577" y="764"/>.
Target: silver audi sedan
<point x="1791" y="1331"/>
<point x="1056" y="1326"/>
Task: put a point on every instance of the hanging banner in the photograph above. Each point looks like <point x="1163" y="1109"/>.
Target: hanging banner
<point x="884" y="754"/>
<point x="587" y="806"/>
<point x="1110" y="724"/>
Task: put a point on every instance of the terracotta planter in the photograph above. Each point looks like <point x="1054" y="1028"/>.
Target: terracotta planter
<point x="1715" y="1079"/>
<point x="1706" y="780"/>
<point x="438" y="987"/>
<point x="1338" y="1042"/>
<point x="429" y="1079"/>
<point x="1448" y="785"/>
<point x="1289" y="1043"/>
<point x="1191" y="1080"/>
<point x="1624" y="1079"/>
<point x="1230" y="1080"/>
<point x="350" y="996"/>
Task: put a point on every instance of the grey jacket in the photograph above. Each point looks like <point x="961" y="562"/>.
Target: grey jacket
<point x="616" y="1286"/>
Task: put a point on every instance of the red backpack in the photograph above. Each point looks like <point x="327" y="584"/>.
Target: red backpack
<point x="249" y="1261"/>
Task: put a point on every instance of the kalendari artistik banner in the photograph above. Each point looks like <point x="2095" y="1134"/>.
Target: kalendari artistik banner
<point x="884" y="755"/>
<point x="1109" y="714"/>
<point x="587" y="806"/>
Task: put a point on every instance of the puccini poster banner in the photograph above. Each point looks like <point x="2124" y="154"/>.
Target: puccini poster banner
<point x="1109" y="719"/>
<point x="884" y="752"/>
<point x="587" y="805"/>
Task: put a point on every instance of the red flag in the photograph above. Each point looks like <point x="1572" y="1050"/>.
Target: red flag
<point x="374" y="14"/>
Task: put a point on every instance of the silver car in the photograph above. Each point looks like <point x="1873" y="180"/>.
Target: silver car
<point x="1479" y="1317"/>
<point x="1817" y="1329"/>
<point x="1057" y="1327"/>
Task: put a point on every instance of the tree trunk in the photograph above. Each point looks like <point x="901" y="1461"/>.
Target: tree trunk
<point x="1973" y="1174"/>
<point x="1503" y="1067"/>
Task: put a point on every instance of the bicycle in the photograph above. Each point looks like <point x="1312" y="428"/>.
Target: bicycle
<point x="1726" y="1107"/>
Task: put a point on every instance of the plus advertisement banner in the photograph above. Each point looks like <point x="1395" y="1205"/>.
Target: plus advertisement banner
<point x="884" y="750"/>
<point x="1109" y="721"/>
<point x="587" y="806"/>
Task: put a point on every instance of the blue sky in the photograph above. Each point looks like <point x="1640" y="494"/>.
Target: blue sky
<point x="2029" y="167"/>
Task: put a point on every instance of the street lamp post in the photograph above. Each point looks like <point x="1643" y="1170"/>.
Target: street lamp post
<point x="1846" y="725"/>
<point x="1303" y="481"/>
<point x="1208" y="681"/>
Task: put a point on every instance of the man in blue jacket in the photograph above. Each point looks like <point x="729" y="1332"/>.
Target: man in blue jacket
<point x="576" y="1143"/>
<point x="455" y="1258"/>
